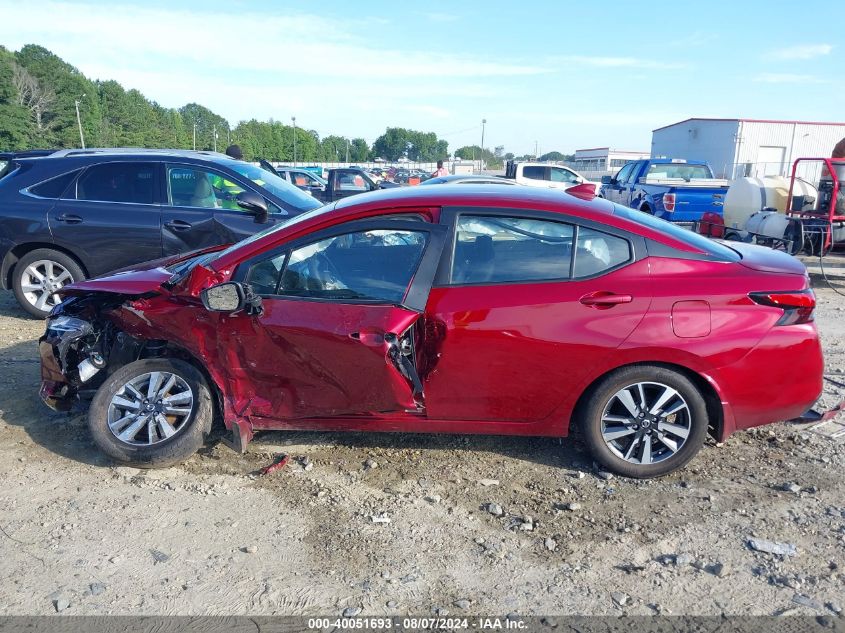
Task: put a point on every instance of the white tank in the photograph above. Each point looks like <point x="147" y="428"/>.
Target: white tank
<point x="747" y="196"/>
<point x="768" y="224"/>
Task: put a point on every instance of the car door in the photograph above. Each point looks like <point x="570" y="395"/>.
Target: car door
<point x="630" y="185"/>
<point x="522" y="317"/>
<point x="110" y="217"/>
<point x="201" y="209"/>
<point x="613" y="191"/>
<point x="337" y="335"/>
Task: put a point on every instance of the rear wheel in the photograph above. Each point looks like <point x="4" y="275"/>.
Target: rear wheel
<point x="152" y="413"/>
<point x="645" y="421"/>
<point x="38" y="276"/>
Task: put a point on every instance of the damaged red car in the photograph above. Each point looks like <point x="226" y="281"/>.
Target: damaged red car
<point x="454" y="309"/>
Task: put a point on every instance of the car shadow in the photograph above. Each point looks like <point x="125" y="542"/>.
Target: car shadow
<point x="567" y="453"/>
<point x="64" y="434"/>
<point x="9" y="306"/>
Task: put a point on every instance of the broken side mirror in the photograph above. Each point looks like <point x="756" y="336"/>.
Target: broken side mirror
<point x="231" y="297"/>
<point x="255" y="204"/>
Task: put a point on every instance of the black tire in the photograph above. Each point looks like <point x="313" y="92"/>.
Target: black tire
<point x="42" y="254"/>
<point x="602" y="395"/>
<point x="165" y="452"/>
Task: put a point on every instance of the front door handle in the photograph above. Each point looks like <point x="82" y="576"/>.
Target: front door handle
<point x="178" y="225"/>
<point x="603" y="299"/>
<point x="69" y="218"/>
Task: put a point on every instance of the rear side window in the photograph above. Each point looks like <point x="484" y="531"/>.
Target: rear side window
<point x="534" y="172"/>
<point x="493" y="249"/>
<point x="132" y="183"/>
<point x="501" y="249"/>
<point x="55" y="187"/>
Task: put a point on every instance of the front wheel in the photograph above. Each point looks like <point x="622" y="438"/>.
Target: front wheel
<point x="152" y="413"/>
<point x="645" y="421"/>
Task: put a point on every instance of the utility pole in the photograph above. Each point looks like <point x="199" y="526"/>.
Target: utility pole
<point x="214" y="129"/>
<point x="79" y="122"/>
<point x="195" y="136"/>
<point x="535" y="151"/>
<point x="483" y="124"/>
<point x="347" y="151"/>
<point x="293" y="119"/>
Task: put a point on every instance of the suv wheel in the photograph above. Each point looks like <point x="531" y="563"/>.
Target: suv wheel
<point x="37" y="277"/>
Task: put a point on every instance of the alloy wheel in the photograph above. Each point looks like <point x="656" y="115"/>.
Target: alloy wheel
<point x="41" y="281"/>
<point x="646" y="422"/>
<point x="150" y="408"/>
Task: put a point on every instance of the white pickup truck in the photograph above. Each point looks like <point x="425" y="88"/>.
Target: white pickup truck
<point x="545" y="175"/>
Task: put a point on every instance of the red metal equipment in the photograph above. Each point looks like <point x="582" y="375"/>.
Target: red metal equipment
<point x="822" y="219"/>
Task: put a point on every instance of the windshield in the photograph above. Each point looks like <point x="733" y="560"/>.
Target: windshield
<point x="292" y="196"/>
<point x="275" y="227"/>
<point x="679" y="233"/>
<point x="681" y="171"/>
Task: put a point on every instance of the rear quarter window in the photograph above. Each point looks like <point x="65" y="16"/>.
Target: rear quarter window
<point x="54" y="187"/>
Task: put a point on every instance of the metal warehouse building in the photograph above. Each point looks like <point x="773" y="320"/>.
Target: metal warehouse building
<point x="604" y="158"/>
<point x="746" y="147"/>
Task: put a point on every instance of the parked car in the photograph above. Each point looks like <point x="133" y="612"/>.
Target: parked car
<point x="80" y="213"/>
<point x="471" y="309"/>
<point x="465" y="179"/>
<point x="545" y="175"/>
<point x="302" y="178"/>
<point x="673" y="189"/>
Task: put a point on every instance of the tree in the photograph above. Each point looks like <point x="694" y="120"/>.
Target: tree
<point x="397" y="142"/>
<point x="556" y="156"/>
<point x="206" y="123"/>
<point x="473" y="152"/>
<point x="14" y="118"/>
<point x="37" y="99"/>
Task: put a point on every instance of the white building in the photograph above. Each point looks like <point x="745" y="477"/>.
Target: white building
<point x="746" y="147"/>
<point x="604" y="159"/>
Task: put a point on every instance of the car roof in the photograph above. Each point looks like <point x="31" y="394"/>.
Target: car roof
<point x="411" y="200"/>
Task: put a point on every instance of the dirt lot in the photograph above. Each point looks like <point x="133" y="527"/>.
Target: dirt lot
<point x="210" y="537"/>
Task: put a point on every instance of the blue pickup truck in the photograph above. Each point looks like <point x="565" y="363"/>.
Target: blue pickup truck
<point x="670" y="188"/>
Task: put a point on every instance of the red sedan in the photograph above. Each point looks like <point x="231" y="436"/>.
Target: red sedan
<point x="453" y="309"/>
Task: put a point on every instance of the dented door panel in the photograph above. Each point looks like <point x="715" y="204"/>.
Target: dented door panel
<point x="313" y="359"/>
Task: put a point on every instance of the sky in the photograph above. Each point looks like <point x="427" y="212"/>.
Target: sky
<point x="561" y="74"/>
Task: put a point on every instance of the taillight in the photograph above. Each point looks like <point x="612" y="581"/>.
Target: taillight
<point x="798" y="306"/>
<point x="669" y="201"/>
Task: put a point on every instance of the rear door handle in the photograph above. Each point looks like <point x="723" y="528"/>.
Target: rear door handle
<point x="178" y="225"/>
<point x="603" y="299"/>
<point x="69" y="218"/>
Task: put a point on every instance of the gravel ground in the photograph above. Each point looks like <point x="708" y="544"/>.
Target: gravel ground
<point x="82" y="536"/>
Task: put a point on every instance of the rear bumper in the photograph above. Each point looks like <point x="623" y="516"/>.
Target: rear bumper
<point x="780" y="379"/>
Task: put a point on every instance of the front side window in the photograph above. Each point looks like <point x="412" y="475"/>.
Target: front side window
<point x="563" y="175"/>
<point x="290" y="195"/>
<point x="132" y="183"/>
<point x="192" y="187"/>
<point x="534" y="172"/>
<point x="623" y="174"/>
<point x="373" y="266"/>
<point x="502" y="249"/>
<point x="598" y="252"/>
